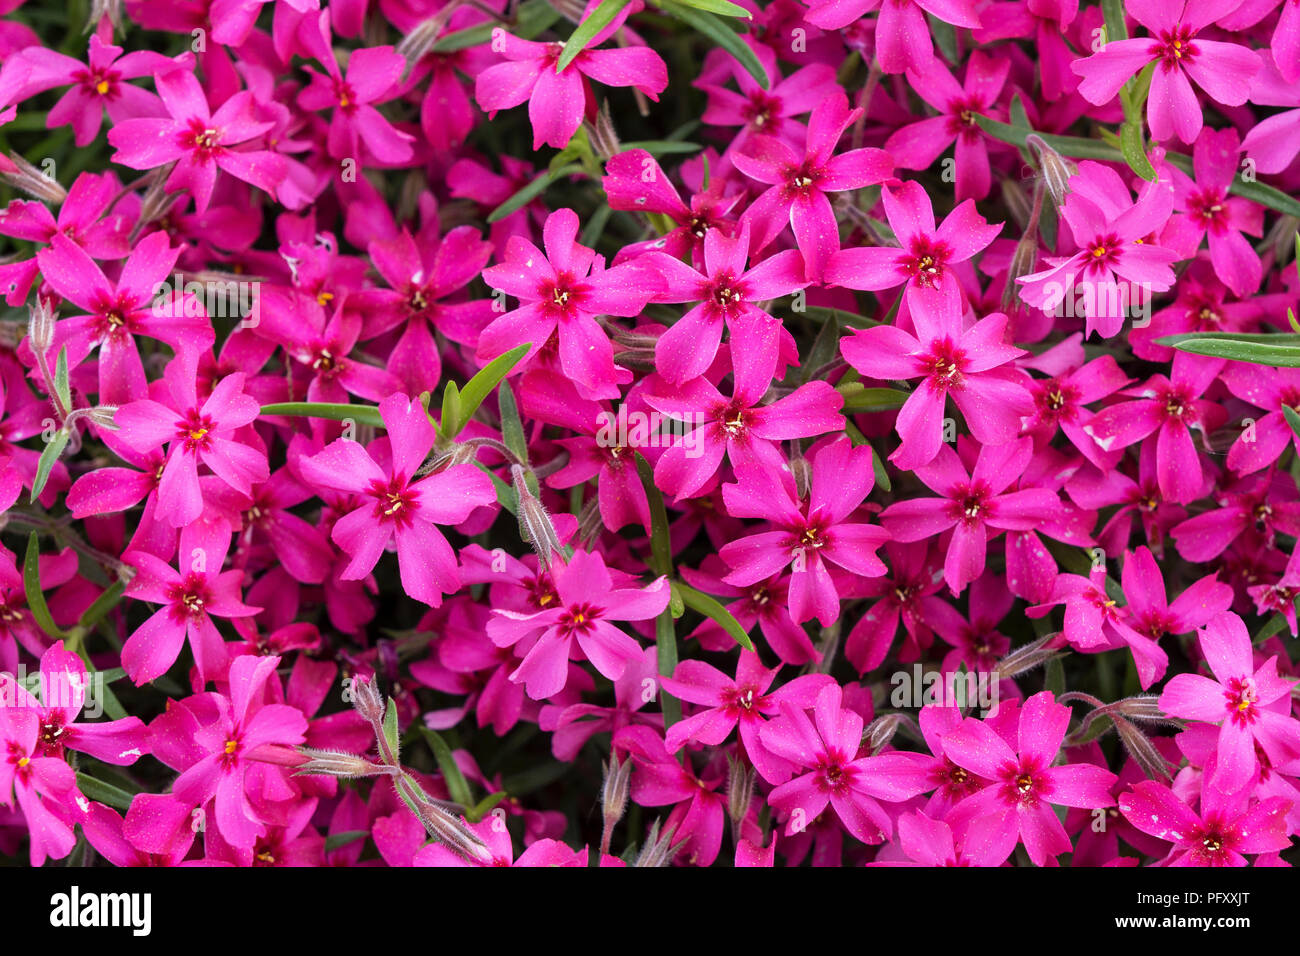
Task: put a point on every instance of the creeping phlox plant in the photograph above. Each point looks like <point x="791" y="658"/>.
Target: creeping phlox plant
<point x="649" y="432"/>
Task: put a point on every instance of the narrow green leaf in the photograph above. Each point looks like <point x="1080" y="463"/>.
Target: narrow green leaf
<point x="449" y="422"/>
<point x="61" y="386"/>
<point x="334" y="411"/>
<point x="1055" y="676"/>
<point x="723" y="8"/>
<point x="457" y="785"/>
<point x="710" y="607"/>
<point x="1019" y="118"/>
<point x="532" y="18"/>
<point x="1130" y="141"/>
<point x="32" y="587"/>
<point x="1275" y="349"/>
<point x="1276" y="625"/>
<point x="481" y="385"/>
<point x="666" y="644"/>
<point x="661" y="554"/>
<point x="392" y="734"/>
<point x="1116" y="28"/>
<point x="824" y="348"/>
<point x="102" y="792"/>
<point x="1292" y="419"/>
<point x="721" y="34"/>
<point x="336" y="840"/>
<point x="485" y="806"/>
<point x="512" y="429"/>
<point x="506" y="496"/>
<point x="600" y="18"/>
<point x="530" y="192"/>
<point x="878" y="467"/>
<point x="858" y="400"/>
<point x="49" y="455"/>
<point x="663" y="147"/>
<point x="102" y="605"/>
<point x="945" y="37"/>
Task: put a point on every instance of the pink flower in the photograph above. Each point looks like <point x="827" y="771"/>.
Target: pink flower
<point x="1017" y="805"/>
<point x="809" y="536"/>
<point x="1225" y="829"/>
<point x="587" y="602"/>
<point x="827" y="748"/>
<point x="1223" y="70"/>
<point x="926" y="255"/>
<point x="557" y="99"/>
<point x="244" y="725"/>
<point x="902" y="34"/>
<point x="198" y="141"/>
<point x="194" y="433"/>
<point x="744" y="701"/>
<point x="391" y="503"/>
<point x="497" y="838"/>
<point x="1251" y="705"/>
<point x="189" y="599"/>
<point x="799" y="184"/>
<point x="46" y="787"/>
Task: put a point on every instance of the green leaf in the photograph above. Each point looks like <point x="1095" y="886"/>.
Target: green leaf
<point x="512" y="429"/>
<point x="32" y="587"/>
<point x="449" y="421"/>
<point x="457" y="785"/>
<point x="530" y="192"/>
<point x="1292" y="419"/>
<point x="1116" y="29"/>
<point x="666" y="643"/>
<point x="600" y="18"/>
<point x="1131" y="145"/>
<point x="1055" y="676"/>
<point x="49" y="455"/>
<point x="61" y="387"/>
<point x="532" y="18"/>
<point x="825" y="347"/>
<point x="860" y="399"/>
<point x="392" y="734"/>
<point x="485" y="806"/>
<point x="1275" y="349"/>
<point x="102" y="792"/>
<point x="721" y="7"/>
<point x="506" y="496"/>
<point x="336" y="840"/>
<point x="481" y="385"/>
<point x="1276" y="625"/>
<point x="878" y="466"/>
<point x="334" y="411"/>
<point x="710" y="607"/>
<point x="661" y="554"/>
<point x="663" y="147"/>
<point x="1019" y="118"/>
<point x="721" y="34"/>
<point x="945" y="37"/>
<point x="102" y="605"/>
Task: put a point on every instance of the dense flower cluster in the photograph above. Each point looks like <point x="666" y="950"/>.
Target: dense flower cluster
<point x="423" y="421"/>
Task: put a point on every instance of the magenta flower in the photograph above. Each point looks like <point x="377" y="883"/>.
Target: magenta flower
<point x="974" y="366"/>
<point x="1172" y="407"/>
<point x="1223" y="70"/>
<point x="98" y="86"/>
<point x="810" y="536"/>
<point x="46" y="787"/>
<point x="1112" y="238"/>
<point x="195" y="433"/>
<point x="244" y="725"/>
<point x="918" y="145"/>
<point x="926" y="255"/>
<point x="902" y="34"/>
<point x="374" y="75"/>
<point x="1251" y="705"/>
<point x="188" y="599"/>
<point x="744" y="702"/>
<point x="1271" y="390"/>
<point x="798" y="184"/>
<point x="391" y="503"/>
<point x="119" y="311"/>
<point x="976" y="507"/>
<point x="198" y="141"/>
<point x="545" y="852"/>
<point x="1205" y="208"/>
<point x="557" y="100"/>
<point x="1224" y="830"/>
<point x="928" y="842"/>
<point x="586" y="604"/>
<point x="727" y="293"/>
<point x="561" y="296"/>
<point x="1017" y="805"/>
<point x="826" y="747"/>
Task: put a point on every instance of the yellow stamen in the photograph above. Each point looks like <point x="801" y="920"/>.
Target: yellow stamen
<point x="101" y="87"/>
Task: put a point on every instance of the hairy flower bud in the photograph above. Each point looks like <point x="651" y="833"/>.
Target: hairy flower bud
<point x="658" y="849"/>
<point x="34" y="182"/>
<point x="881" y="730"/>
<point x="368" y="701"/>
<point x="535" y="523"/>
<point x="1141" y="749"/>
<point x="740" y="789"/>
<point x="601" y="134"/>
<point x="1034" y="654"/>
<point x="452" y="832"/>
<point x="40" y="327"/>
<point x="338" y="763"/>
<point x="615" y="792"/>
<point x="1056" y="169"/>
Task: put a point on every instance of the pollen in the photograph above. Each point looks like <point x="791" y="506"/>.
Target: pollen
<point x="395" y="503"/>
<point x="231" y="746"/>
<point x="1098" y="252"/>
<point x="101" y="87"/>
<point x="324" y="298"/>
<point x="196" y="434"/>
<point x="23" y="762"/>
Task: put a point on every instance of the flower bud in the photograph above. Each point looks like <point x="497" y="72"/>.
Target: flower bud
<point x="368" y="701"/>
<point x="615" y="793"/>
<point x="34" y="181"/>
<point x="535" y="524"/>
<point x="40" y="327"/>
<point x="103" y="416"/>
<point x="1024" y="260"/>
<point x="452" y="832"/>
<point x="1141" y="749"/>
<point x="337" y="763"/>
<point x="1034" y="654"/>
<point x="881" y="730"/>
<point x="740" y="789"/>
<point x="604" y="141"/>
<point x="658" y="849"/>
<point x="1145" y="707"/>
<point x="1056" y="169"/>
